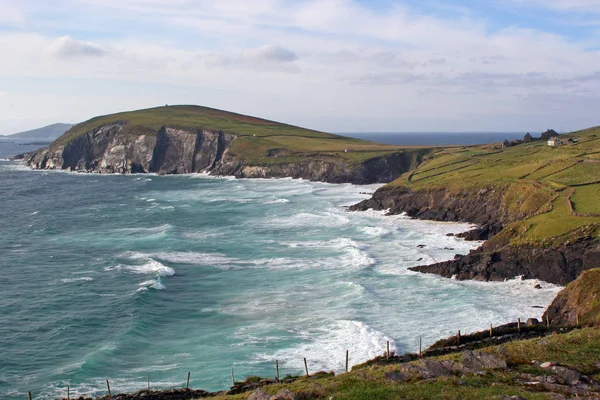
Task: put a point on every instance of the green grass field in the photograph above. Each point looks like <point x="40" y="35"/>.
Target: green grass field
<point x="539" y="181"/>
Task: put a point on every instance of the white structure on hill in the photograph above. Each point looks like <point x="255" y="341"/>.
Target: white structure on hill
<point x="554" y="141"/>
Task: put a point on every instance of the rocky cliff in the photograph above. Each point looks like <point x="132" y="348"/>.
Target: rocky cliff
<point x="492" y="209"/>
<point x="112" y="149"/>
<point x="558" y="264"/>
<point x="483" y="207"/>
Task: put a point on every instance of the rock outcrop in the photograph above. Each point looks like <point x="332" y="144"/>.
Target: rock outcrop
<point x="578" y="303"/>
<point x="483" y="207"/>
<point x="112" y="149"/>
<point x="491" y="209"/>
<point x="108" y="150"/>
<point x="559" y="265"/>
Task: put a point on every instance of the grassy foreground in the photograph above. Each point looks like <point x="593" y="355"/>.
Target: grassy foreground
<point x="559" y="188"/>
<point x="578" y="350"/>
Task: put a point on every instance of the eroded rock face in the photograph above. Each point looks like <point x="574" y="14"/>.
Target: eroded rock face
<point x="482" y="208"/>
<point x="109" y="150"/>
<point x="112" y="149"/>
<point x="559" y="265"/>
<point x="496" y="260"/>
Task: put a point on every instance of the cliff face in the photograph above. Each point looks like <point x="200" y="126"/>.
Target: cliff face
<point x="578" y="303"/>
<point x="491" y="209"/>
<point x="559" y="265"/>
<point x="108" y="149"/>
<point x="483" y="207"/>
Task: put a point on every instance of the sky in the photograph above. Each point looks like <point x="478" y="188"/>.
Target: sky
<point x="332" y="65"/>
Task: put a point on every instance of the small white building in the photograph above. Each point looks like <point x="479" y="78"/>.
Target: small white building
<point x="554" y="142"/>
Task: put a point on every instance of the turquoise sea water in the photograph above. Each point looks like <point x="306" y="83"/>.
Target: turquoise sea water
<point x="121" y="277"/>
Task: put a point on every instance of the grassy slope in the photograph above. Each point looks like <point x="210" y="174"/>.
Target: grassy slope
<point x="578" y="349"/>
<point x="582" y="298"/>
<point x="561" y="185"/>
<point x="256" y="136"/>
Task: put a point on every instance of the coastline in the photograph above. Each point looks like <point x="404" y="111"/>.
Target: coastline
<point x="169" y="281"/>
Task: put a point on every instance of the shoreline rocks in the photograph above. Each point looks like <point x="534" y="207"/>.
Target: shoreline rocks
<point x="493" y="261"/>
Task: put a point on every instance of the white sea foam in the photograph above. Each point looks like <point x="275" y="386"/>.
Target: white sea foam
<point x="377" y="231"/>
<point x="155" y="368"/>
<point x="277" y="201"/>
<point x="82" y="279"/>
<point x="184" y="257"/>
<point x="147" y="230"/>
<point x="325" y="349"/>
<point x="151" y="266"/>
<point x="325" y="219"/>
<point x="154" y="284"/>
<point x="200" y="235"/>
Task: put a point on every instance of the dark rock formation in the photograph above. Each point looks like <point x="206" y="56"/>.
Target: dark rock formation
<point x="488" y="209"/>
<point x="482" y="208"/>
<point x="111" y="149"/>
<point x="559" y="265"/>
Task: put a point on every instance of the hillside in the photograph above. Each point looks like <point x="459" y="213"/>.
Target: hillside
<point x="191" y="139"/>
<point x="538" y="206"/>
<point x="45" y="134"/>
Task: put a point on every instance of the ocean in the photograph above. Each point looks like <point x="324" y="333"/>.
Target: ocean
<point x="125" y="277"/>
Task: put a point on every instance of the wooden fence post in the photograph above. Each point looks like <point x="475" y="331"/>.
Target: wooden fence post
<point x="30" y="396"/>
<point x="458" y="338"/>
<point x="387" y="351"/>
<point x="491" y="330"/>
<point x="187" y="384"/>
<point x="277" y="370"/>
<point x="68" y="392"/>
<point x="519" y="325"/>
<point x="108" y="386"/>
<point x="420" y="344"/>
<point x="306" y="367"/>
<point x="346" y="360"/>
<point x="232" y="377"/>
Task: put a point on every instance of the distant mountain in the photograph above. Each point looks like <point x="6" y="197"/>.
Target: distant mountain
<point x="46" y="134"/>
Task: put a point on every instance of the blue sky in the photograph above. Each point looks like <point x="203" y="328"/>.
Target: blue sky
<point x="334" y="65"/>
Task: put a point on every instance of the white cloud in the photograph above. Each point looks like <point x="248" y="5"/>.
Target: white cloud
<point x="269" y="53"/>
<point x="11" y="15"/>
<point x="334" y="58"/>
<point x="66" y="47"/>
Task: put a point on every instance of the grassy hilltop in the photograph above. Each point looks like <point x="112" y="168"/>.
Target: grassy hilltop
<point x="560" y="186"/>
<point x="258" y="139"/>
